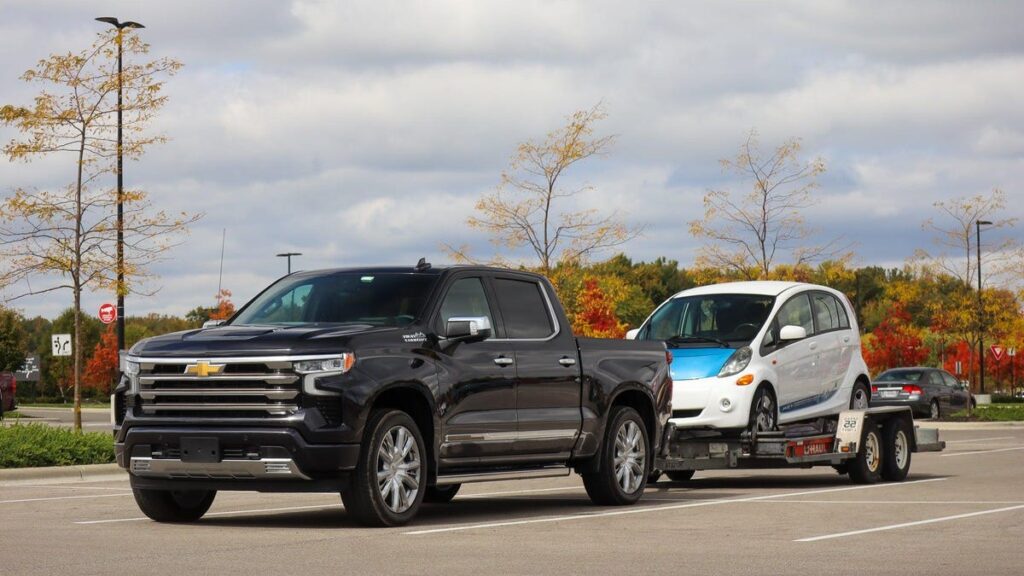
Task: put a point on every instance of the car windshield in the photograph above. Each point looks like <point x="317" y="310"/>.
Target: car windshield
<point x="391" y="299"/>
<point x="711" y="318"/>
<point x="900" y="376"/>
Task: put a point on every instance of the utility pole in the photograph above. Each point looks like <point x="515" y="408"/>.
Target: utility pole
<point x="289" y="255"/>
<point x="981" y="312"/>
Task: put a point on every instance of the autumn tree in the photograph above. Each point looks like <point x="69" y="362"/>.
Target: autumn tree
<point x="65" y="238"/>
<point x="102" y="369"/>
<point x="528" y="209"/>
<point x="225" y="308"/>
<point x="894" y="343"/>
<point x="595" y="313"/>
<point x="747" y="234"/>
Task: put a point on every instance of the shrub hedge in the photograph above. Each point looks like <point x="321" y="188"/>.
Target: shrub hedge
<point x="30" y="445"/>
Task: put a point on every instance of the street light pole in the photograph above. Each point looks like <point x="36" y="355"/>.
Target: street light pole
<point x="120" y="177"/>
<point x="981" y="312"/>
<point x="289" y="255"/>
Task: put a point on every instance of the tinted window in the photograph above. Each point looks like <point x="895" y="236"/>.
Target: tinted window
<point x="900" y="376"/>
<point x="825" y="312"/>
<point x="523" y="309"/>
<point x="844" y="320"/>
<point x="729" y="317"/>
<point x="466" y="297"/>
<point x="796" y="312"/>
<point x="950" y="380"/>
<point x="934" y="378"/>
<point x="341" y="298"/>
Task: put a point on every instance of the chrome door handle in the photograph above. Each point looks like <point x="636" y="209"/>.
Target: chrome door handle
<point x="503" y="361"/>
<point x="566" y="361"/>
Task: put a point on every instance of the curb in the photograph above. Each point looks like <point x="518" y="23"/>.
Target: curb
<point x="968" y="425"/>
<point x="62" y="474"/>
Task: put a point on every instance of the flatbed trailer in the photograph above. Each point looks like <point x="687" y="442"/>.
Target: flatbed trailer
<point x="870" y="445"/>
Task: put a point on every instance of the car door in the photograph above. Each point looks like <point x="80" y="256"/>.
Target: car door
<point x="548" y="386"/>
<point x="827" y="327"/>
<point x="796" y="362"/>
<point x="479" y="407"/>
<point x="937" y="389"/>
<point x="958" y="396"/>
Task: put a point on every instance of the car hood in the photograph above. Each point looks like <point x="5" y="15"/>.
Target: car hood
<point x="693" y="363"/>
<point x="255" y="340"/>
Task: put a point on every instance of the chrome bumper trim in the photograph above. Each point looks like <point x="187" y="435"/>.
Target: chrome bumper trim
<point x="264" y="469"/>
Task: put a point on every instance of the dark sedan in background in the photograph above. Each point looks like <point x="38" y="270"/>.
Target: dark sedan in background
<point x="8" y="387"/>
<point x="929" y="392"/>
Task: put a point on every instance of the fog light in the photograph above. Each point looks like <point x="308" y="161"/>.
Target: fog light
<point x="726" y="404"/>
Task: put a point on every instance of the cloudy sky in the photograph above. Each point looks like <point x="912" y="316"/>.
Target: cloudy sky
<point x="363" y="132"/>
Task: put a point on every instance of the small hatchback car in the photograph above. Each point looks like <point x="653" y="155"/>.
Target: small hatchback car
<point x="756" y="354"/>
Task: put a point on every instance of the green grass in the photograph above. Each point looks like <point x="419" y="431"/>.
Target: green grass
<point x="30" y="445"/>
<point x="995" y="413"/>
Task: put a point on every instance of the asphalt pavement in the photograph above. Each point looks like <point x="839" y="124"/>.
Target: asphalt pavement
<point x="960" y="512"/>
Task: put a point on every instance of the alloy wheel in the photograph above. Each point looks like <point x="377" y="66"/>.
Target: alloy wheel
<point x="861" y="400"/>
<point x="398" y="469"/>
<point x="765" y="414"/>
<point x="630" y="457"/>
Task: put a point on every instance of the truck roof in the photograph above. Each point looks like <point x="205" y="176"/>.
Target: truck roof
<point x="435" y="270"/>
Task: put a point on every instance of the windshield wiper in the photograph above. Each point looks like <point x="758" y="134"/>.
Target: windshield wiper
<point x="692" y="339"/>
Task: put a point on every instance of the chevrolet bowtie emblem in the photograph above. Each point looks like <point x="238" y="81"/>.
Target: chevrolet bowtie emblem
<point x="203" y="369"/>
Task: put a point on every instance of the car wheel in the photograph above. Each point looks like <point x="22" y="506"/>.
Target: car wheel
<point x="934" y="412"/>
<point x="386" y="488"/>
<point x="622" y="472"/>
<point x="866" y="467"/>
<point x="763" y="413"/>
<point x="860" y="397"/>
<point x="680" y="475"/>
<point x="896" y="438"/>
<point x="441" y="494"/>
<point x="974" y="403"/>
<point x="173" y="505"/>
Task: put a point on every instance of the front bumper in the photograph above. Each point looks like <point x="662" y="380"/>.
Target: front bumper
<point x="245" y="455"/>
<point x="711" y="403"/>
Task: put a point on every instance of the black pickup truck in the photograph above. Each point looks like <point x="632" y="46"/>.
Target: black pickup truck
<point x="392" y="386"/>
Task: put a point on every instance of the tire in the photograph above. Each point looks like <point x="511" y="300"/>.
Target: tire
<point x="842" y="469"/>
<point x="392" y="446"/>
<point x="173" y="505"/>
<point x="974" y="403"/>
<point x="860" y="397"/>
<point x="866" y="467"/>
<point x="625" y="439"/>
<point x="764" y="414"/>
<point x="441" y="494"/>
<point x="680" y="475"/>
<point x="896" y="438"/>
<point x="934" y="412"/>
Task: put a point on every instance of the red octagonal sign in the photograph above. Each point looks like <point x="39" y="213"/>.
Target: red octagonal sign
<point x="108" y="313"/>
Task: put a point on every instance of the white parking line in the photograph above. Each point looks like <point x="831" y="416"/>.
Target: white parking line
<point x="642" y="510"/>
<point x="228" y="513"/>
<point x="887" y="502"/>
<point x="982" y="451"/>
<point x="909" y="524"/>
<point x="63" y="498"/>
<point x="980" y="440"/>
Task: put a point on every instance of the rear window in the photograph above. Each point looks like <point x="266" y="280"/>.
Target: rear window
<point x="523" y="309"/>
<point x="900" y="376"/>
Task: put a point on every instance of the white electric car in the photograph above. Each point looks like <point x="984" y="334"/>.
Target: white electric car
<point x="753" y="355"/>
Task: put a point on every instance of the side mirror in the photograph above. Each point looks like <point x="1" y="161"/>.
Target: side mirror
<point x="790" y="333"/>
<point x="631" y="334"/>
<point x="467" y="328"/>
<point x="212" y="324"/>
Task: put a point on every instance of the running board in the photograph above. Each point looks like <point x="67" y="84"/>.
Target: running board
<point x="546" y="472"/>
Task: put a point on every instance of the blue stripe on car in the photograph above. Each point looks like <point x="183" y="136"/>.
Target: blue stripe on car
<point x="693" y="363"/>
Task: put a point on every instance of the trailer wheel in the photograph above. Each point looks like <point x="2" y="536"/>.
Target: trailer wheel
<point x="680" y="475"/>
<point x="866" y="467"/>
<point x="896" y="464"/>
<point x="842" y="469"/>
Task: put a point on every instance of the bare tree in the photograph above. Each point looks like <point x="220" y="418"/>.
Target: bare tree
<point x="747" y="234"/>
<point x="525" y="208"/>
<point x="67" y="237"/>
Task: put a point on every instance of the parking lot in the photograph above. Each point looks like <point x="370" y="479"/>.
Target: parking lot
<point x="961" y="511"/>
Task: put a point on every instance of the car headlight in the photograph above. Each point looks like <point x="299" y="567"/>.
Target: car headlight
<point x="131" y="368"/>
<point x="737" y="362"/>
<point x="336" y="364"/>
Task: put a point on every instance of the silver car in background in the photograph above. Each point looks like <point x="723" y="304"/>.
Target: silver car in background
<point x="930" y="392"/>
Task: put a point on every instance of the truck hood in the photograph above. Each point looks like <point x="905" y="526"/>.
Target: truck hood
<point x="255" y="340"/>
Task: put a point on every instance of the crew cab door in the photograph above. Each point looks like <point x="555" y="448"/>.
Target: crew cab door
<point x="477" y="396"/>
<point x="547" y="366"/>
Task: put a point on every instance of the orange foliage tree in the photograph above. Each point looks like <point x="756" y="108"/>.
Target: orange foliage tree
<point x="101" y="371"/>
<point x="595" y="313"/>
<point x="225" y="308"/>
<point x="894" y="343"/>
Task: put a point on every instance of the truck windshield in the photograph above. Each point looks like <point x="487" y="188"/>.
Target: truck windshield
<point x="391" y="299"/>
<point x="709" y="319"/>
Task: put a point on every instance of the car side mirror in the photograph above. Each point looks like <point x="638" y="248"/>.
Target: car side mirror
<point x="212" y="324"/>
<point x="791" y="333"/>
<point x="467" y="328"/>
<point x="631" y="334"/>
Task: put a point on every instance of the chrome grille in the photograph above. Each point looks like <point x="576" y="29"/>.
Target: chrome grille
<point x="239" y="388"/>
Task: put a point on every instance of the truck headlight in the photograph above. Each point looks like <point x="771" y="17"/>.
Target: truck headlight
<point x="334" y="364"/>
<point x="131" y="372"/>
<point x="737" y="362"/>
